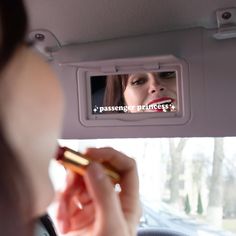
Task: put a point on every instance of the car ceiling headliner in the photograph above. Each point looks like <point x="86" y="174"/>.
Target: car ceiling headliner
<point x="83" y="21"/>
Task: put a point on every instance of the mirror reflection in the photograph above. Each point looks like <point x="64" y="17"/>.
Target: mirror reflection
<point x="134" y="93"/>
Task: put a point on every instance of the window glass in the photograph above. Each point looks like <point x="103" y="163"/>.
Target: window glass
<point x="186" y="184"/>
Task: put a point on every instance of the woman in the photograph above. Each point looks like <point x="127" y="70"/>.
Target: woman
<point x="142" y="92"/>
<point x="31" y="110"/>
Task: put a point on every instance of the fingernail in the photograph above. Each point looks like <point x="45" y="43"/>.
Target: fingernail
<point x="97" y="170"/>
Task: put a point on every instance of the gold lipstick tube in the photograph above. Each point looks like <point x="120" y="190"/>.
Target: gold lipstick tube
<point x="77" y="162"/>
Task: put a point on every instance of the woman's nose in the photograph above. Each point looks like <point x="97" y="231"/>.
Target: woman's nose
<point x="156" y="87"/>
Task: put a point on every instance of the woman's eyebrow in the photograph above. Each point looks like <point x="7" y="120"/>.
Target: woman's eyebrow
<point x="138" y="75"/>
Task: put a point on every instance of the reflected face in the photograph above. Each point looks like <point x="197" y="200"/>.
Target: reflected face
<point x="151" y="92"/>
<point x="32" y="107"/>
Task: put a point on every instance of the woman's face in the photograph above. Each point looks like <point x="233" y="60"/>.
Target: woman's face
<point x="32" y="107"/>
<point x="151" y="92"/>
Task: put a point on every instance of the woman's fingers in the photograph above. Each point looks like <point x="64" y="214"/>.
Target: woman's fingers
<point x="117" y="159"/>
<point x="63" y="216"/>
<point x="89" y="203"/>
<point x="100" y="187"/>
<point x="74" y="217"/>
<point x="108" y="212"/>
<point x="75" y="208"/>
<point x="126" y="167"/>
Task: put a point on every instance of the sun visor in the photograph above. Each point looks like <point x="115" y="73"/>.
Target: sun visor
<point x="133" y="91"/>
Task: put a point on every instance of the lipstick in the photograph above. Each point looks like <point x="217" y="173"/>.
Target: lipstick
<point x="78" y="163"/>
<point x="164" y="104"/>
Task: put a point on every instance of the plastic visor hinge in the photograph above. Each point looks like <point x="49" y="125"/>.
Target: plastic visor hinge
<point x="226" y="22"/>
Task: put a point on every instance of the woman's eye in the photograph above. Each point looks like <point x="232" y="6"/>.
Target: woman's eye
<point x="167" y="75"/>
<point x="139" y="81"/>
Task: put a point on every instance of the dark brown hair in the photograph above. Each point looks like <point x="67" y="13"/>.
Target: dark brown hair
<point x="15" y="196"/>
<point x="115" y="87"/>
<point x="15" y="199"/>
<point x="116" y="84"/>
<point x="13" y="21"/>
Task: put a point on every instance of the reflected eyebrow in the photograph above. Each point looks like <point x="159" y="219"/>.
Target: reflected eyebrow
<point x="131" y="76"/>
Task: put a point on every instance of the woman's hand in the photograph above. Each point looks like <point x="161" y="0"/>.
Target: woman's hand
<point x="89" y="205"/>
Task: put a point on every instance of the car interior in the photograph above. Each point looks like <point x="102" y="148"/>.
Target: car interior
<point x="185" y="144"/>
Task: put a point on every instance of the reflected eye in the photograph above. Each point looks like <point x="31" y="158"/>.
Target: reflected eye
<point x="138" y="81"/>
<point x="167" y="75"/>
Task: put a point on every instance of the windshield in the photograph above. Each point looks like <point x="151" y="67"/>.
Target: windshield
<point x="186" y="184"/>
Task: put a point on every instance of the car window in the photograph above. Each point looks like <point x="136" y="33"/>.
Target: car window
<point x="186" y="184"/>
